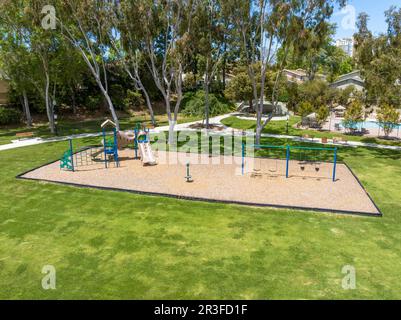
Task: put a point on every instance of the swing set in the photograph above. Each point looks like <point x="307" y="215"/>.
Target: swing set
<point x="304" y="158"/>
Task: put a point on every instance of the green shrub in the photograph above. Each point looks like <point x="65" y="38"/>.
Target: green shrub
<point x="354" y="115"/>
<point x="133" y="99"/>
<point x="194" y="104"/>
<point x="93" y="102"/>
<point x="9" y="116"/>
<point x="305" y="108"/>
<point x="322" y="114"/>
<point x="189" y="82"/>
<point x="117" y="94"/>
<point x="388" y="118"/>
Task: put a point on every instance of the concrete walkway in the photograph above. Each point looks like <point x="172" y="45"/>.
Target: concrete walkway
<point x="187" y="126"/>
<point x="34" y="141"/>
<point x="223" y="130"/>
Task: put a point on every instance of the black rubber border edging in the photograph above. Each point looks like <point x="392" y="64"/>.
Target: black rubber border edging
<point x="364" y="189"/>
<point x="241" y="203"/>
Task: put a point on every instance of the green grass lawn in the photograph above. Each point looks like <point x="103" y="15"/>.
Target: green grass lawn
<point x="279" y="127"/>
<point x="109" y="245"/>
<point x="89" y="126"/>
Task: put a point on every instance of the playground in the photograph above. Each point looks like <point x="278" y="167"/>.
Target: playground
<point x="281" y="183"/>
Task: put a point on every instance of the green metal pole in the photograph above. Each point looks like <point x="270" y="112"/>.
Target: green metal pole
<point x="72" y="156"/>
<point x="288" y="163"/>
<point x="243" y="159"/>
<point x="105" y="148"/>
<point x="335" y="165"/>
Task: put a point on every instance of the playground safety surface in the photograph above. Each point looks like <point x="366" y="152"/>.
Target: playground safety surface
<point x="219" y="179"/>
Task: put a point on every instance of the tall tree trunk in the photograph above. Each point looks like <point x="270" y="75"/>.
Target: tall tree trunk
<point x="48" y="102"/>
<point x="150" y="108"/>
<point x="258" y="135"/>
<point x="171" y="132"/>
<point x="224" y="66"/>
<point x="139" y="83"/>
<point x="171" y="122"/>
<point x="260" y="107"/>
<point x="49" y="106"/>
<point x="207" y="104"/>
<point x="96" y="74"/>
<point x="73" y="100"/>
<point x="27" y="111"/>
<point x="108" y="101"/>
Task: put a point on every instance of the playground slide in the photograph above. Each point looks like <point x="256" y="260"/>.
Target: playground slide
<point x="147" y="154"/>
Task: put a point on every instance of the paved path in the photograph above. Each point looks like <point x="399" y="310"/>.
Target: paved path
<point x="35" y="141"/>
<point x="187" y="127"/>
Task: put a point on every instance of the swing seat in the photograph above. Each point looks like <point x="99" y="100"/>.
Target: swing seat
<point x="256" y="173"/>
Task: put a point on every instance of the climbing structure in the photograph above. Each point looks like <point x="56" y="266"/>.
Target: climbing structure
<point x="89" y="155"/>
<point x="66" y="161"/>
<point x="110" y="146"/>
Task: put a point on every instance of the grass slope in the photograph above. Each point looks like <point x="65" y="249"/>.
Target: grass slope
<point x="109" y="245"/>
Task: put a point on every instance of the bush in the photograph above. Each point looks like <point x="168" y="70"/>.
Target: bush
<point x="388" y="118"/>
<point x="316" y="92"/>
<point x="189" y="83"/>
<point x="354" y="115"/>
<point x="117" y="94"/>
<point x="305" y="108"/>
<point x="93" y="103"/>
<point x="9" y="116"/>
<point x="133" y="99"/>
<point x="321" y="115"/>
<point x="194" y="104"/>
<point x="240" y="88"/>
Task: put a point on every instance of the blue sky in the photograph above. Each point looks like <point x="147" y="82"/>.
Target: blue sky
<point x="375" y="9"/>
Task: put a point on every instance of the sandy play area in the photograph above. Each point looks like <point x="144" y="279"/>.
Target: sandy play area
<point x="221" y="180"/>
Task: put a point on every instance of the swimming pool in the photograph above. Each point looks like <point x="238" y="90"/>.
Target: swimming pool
<point x="370" y="125"/>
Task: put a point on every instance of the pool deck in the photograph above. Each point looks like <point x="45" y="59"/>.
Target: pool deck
<point x="330" y="125"/>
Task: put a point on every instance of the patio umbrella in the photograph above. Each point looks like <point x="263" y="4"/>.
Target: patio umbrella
<point x="311" y="116"/>
<point x="340" y="108"/>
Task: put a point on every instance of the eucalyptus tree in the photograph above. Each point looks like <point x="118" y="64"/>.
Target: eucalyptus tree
<point x="208" y="38"/>
<point x="84" y="23"/>
<point x="165" y="27"/>
<point x="34" y="44"/>
<point x="388" y="118"/>
<point x="16" y="64"/>
<point x="379" y="60"/>
<point x="126" y="39"/>
<point x="265" y="27"/>
<point x="71" y="75"/>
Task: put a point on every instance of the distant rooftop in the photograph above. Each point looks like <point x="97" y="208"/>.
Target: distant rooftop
<point x="299" y="72"/>
<point x="354" y="75"/>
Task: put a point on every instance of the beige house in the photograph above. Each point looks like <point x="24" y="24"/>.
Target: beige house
<point x="297" y="76"/>
<point x="300" y="76"/>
